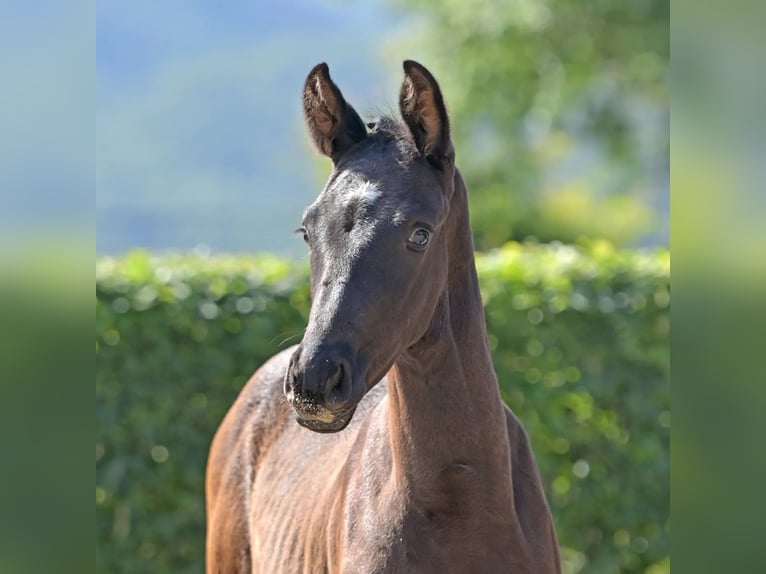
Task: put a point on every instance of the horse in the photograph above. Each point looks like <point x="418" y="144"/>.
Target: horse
<point x="380" y="443"/>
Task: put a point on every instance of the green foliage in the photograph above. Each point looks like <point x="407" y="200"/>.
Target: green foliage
<point x="554" y="101"/>
<point x="580" y="342"/>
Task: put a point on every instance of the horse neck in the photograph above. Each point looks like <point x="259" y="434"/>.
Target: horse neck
<point x="444" y="401"/>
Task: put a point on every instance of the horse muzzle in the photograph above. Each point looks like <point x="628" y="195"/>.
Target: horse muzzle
<point x="337" y="423"/>
<point x="322" y="390"/>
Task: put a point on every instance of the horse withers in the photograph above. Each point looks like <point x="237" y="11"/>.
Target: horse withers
<point x="380" y="443"/>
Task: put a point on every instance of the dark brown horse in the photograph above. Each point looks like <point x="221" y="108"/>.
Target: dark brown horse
<point x="380" y="443"/>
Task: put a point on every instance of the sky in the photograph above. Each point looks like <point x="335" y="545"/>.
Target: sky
<point x="199" y="130"/>
<point x="46" y="174"/>
<point x="200" y="139"/>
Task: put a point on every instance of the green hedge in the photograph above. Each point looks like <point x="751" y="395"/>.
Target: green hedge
<point x="580" y="342"/>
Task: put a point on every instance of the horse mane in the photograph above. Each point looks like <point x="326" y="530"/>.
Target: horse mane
<point x="387" y="125"/>
<point x="393" y="129"/>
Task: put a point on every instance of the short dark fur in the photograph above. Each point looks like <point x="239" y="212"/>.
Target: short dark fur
<point x="381" y="443"/>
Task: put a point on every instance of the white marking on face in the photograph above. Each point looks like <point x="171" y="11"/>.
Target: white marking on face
<point x="364" y="195"/>
<point x="367" y="193"/>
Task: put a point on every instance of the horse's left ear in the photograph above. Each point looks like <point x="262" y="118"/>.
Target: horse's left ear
<point x="422" y="108"/>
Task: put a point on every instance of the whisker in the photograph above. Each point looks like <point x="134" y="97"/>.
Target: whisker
<point x="289" y="337"/>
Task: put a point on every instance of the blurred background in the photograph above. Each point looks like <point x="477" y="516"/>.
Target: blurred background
<point x="560" y="113"/>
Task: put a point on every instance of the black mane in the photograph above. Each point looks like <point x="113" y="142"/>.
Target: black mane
<point x="393" y="129"/>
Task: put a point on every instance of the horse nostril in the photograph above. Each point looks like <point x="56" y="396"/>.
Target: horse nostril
<point x="338" y="388"/>
<point x="292" y="382"/>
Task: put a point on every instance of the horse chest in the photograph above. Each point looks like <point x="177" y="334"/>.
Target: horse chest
<point x="394" y="533"/>
<point x="420" y="544"/>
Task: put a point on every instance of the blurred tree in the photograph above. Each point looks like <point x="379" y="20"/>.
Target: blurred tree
<point x="560" y="113"/>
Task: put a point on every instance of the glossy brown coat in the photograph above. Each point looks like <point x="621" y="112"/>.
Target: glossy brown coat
<point x="425" y="470"/>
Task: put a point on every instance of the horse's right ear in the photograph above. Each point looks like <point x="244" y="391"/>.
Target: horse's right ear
<point x="333" y="124"/>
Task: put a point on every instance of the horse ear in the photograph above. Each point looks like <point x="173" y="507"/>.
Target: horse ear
<point x="333" y="124"/>
<point x="422" y="107"/>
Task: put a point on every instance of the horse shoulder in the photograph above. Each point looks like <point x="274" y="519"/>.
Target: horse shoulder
<point x="245" y="432"/>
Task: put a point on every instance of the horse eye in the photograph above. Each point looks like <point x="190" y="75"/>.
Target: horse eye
<point x="303" y="231"/>
<point x="419" y="238"/>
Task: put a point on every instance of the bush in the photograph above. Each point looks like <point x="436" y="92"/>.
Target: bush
<point x="579" y="337"/>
